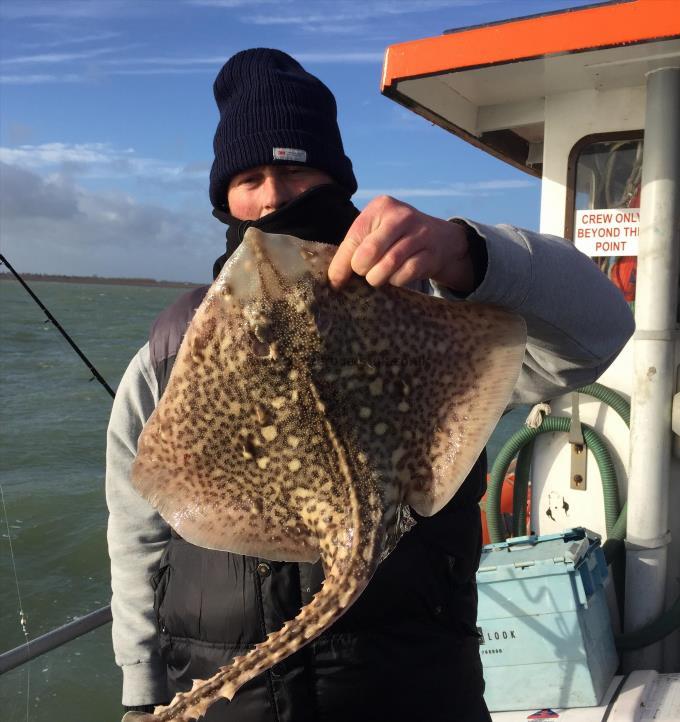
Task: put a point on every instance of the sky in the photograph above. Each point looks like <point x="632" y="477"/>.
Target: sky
<point x="107" y="119"/>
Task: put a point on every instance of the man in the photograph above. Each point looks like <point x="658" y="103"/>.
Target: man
<point x="408" y="648"/>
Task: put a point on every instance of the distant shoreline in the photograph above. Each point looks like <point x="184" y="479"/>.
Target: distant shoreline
<point x="100" y="280"/>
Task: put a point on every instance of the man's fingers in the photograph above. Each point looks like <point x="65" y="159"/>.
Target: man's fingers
<point x="378" y="244"/>
<point x="381" y="240"/>
<point x="377" y="257"/>
<point x="365" y="224"/>
<point x="340" y="268"/>
<point x="389" y="263"/>
<point x="413" y="268"/>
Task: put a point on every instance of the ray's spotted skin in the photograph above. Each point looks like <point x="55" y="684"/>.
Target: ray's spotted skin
<point x="299" y="420"/>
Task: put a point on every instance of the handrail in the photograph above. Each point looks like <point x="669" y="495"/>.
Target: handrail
<point x="53" y="639"/>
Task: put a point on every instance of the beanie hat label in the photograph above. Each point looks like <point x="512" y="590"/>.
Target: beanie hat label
<point x="296" y="155"/>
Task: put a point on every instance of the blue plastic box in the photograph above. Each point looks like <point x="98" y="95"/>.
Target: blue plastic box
<point x="546" y="636"/>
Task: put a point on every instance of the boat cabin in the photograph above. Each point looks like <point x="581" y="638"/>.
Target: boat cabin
<point x="588" y="100"/>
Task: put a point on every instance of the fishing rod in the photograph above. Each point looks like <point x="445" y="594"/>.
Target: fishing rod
<point x="56" y="637"/>
<point x="59" y="327"/>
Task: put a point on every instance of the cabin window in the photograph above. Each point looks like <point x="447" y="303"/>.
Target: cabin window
<point x="603" y="220"/>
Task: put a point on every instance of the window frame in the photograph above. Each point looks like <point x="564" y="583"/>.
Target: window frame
<point x="572" y="164"/>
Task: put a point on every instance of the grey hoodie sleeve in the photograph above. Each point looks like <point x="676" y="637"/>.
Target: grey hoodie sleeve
<point x="136" y="536"/>
<point x="577" y="320"/>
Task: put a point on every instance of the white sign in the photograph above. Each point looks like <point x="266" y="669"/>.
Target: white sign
<point x="607" y="231"/>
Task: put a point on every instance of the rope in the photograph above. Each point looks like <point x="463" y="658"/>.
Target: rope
<point x="58" y="326"/>
<point x="535" y="418"/>
<point x="22" y="617"/>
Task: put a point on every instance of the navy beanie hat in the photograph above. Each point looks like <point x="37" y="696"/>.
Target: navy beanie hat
<point x="273" y="111"/>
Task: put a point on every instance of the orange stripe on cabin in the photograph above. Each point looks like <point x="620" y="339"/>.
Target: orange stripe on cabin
<point x="625" y="23"/>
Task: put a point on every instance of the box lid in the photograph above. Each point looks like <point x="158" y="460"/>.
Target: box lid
<point x="537" y="555"/>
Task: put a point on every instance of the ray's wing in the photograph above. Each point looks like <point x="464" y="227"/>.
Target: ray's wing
<point x="414" y="385"/>
<point x="473" y="368"/>
<point x="236" y="456"/>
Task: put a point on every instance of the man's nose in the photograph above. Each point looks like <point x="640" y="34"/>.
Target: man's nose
<point x="275" y="194"/>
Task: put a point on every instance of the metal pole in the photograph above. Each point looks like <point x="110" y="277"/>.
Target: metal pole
<point x="654" y="372"/>
<point x="35" y="647"/>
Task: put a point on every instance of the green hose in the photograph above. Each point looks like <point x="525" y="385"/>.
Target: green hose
<point x="618" y="530"/>
<point x="520" y="489"/>
<point x="609" y="397"/>
<point x="526" y="434"/>
<point x="654" y="632"/>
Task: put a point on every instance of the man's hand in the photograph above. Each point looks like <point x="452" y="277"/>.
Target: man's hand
<point x="392" y="242"/>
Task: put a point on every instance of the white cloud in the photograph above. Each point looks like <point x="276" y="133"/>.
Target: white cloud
<point x="70" y="39"/>
<point x="163" y="71"/>
<point x="170" y="63"/>
<point x="100" y="160"/>
<point x="23" y="9"/>
<point x="342" y="57"/>
<point x="37" y="78"/>
<point x="234" y="3"/>
<point x="475" y="188"/>
<point x="338" y="17"/>
<point x="166" y="60"/>
<point x="153" y="65"/>
<point x="51" y="225"/>
<point x="24" y="194"/>
<point x="52" y="58"/>
<point x="36" y="156"/>
<point x="334" y="15"/>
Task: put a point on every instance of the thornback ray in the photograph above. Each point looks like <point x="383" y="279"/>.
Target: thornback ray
<point x="298" y="420"/>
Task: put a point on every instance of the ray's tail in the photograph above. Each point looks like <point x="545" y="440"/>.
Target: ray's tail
<point x="344" y="583"/>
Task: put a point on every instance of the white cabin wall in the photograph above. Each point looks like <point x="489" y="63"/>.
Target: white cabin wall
<point x="568" y="118"/>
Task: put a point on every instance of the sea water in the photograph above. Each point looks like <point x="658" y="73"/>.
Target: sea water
<point x="52" y="443"/>
<point x="53" y="421"/>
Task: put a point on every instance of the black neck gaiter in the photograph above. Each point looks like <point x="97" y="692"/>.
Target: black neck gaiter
<point x="322" y="214"/>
